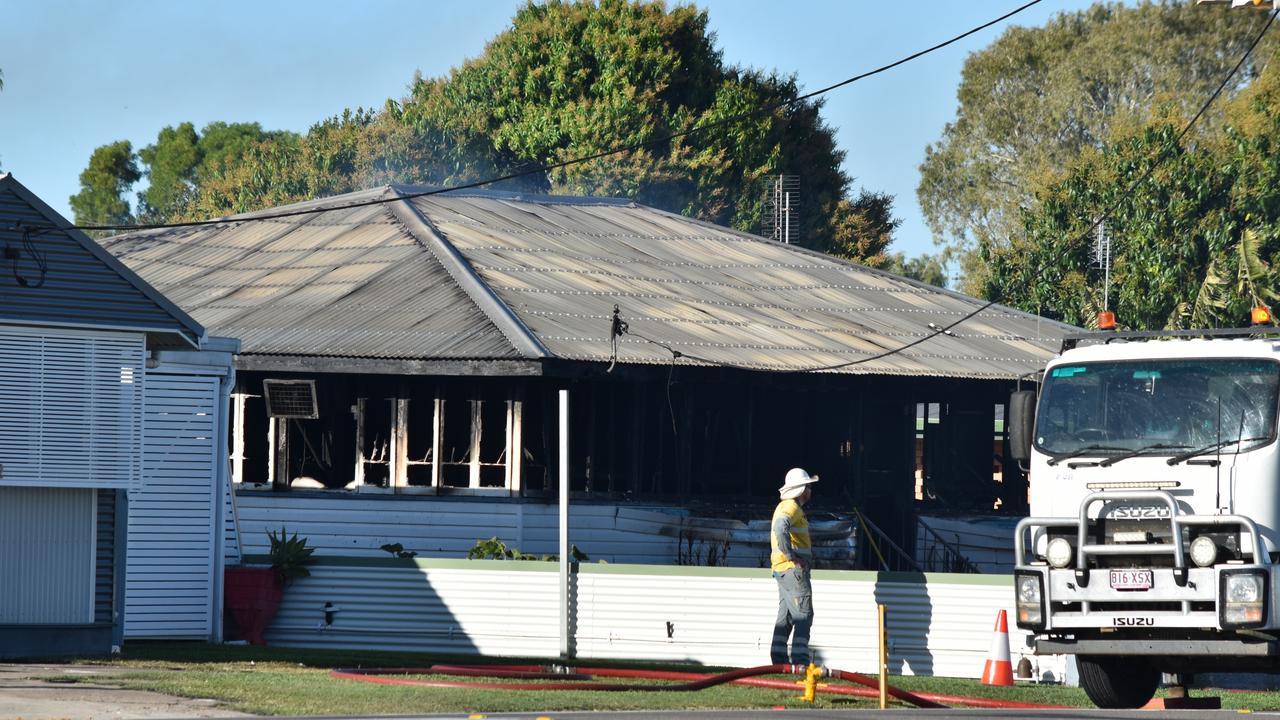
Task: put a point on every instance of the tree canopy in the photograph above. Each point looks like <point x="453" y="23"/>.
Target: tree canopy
<point x="1036" y="99"/>
<point x="112" y="171"/>
<point x="567" y="80"/>
<point x="1195" y="245"/>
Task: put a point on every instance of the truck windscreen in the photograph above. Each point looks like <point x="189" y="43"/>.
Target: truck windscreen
<point x="1166" y="406"/>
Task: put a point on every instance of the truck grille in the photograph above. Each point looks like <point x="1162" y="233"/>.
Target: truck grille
<point x="1104" y="531"/>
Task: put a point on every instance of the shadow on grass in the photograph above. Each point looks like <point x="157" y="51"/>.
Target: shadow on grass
<point x="158" y="652"/>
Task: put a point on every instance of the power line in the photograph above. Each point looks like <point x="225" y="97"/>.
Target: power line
<point x="748" y="114"/>
<point x="1160" y="158"/>
<point x="541" y="168"/>
<point x="676" y="354"/>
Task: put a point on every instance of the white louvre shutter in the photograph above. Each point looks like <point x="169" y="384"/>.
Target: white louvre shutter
<point x="169" y="571"/>
<point x="70" y="408"/>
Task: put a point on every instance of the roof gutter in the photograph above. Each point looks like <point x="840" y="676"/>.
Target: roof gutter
<point x="511" y="327"/>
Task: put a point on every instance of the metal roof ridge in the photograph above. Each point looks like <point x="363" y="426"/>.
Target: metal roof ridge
<point x="465" y="276"/>
<point x="509" y="195"/>
<point x="328" y="203"/>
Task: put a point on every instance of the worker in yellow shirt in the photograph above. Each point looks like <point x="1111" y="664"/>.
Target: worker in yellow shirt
<point x="792" y="553"/>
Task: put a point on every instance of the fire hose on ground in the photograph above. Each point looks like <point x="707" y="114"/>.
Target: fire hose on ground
<point x="582" y="678"/>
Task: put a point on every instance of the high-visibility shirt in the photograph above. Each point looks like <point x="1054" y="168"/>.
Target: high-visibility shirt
<point x="789" y="536"/>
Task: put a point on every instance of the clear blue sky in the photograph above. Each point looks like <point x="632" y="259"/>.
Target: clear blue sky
<point x="79" y="74"/>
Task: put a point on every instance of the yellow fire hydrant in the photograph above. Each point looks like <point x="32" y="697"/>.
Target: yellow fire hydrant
<point x="811" y="675"/>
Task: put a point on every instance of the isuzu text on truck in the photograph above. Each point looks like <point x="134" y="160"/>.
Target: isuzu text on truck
<point x="1155" y="508"/>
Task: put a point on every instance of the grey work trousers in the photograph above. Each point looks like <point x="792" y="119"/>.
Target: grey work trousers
<point x="795" y="617"/>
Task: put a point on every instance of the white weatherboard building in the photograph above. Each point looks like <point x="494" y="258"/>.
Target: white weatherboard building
<point x="399" y="386"/>
<point x="111" y="486"/>
<point x="403" y="351"/>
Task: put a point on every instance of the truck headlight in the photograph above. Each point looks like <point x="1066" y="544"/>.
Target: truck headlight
<point x="1243" y="598"/>
<point x="1204" y="551"/>
<point x="1059" y="553"/>
<point x="1030" y="600"/>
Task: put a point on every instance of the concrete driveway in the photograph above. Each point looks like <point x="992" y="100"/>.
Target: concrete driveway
<point x="23" y="696"/>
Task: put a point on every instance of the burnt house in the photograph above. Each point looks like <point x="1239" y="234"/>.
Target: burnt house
<point x="406" y="348"/>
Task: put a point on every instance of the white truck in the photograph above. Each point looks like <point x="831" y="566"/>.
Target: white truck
<point x="1155" y="508"/>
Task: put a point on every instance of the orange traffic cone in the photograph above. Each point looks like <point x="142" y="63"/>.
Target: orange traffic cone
<point x="998" y="670"/>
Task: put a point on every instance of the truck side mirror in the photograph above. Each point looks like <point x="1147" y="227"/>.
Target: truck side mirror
<point x="1021" y="419"/>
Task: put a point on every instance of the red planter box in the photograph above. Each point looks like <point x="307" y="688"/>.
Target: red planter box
<point x="252" y="595"/>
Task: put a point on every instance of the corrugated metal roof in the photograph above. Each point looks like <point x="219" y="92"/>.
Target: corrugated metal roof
<point x="719" y="295"/>
<point x="478" y="274"/>
<point x="343" y="283"/>
<point x="84" y="286"/>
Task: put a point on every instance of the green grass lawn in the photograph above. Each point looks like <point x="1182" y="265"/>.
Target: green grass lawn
<point x="283" y="681"/>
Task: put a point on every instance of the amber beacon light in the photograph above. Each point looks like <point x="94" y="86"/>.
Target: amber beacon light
<point x="1260" y="315"/>
<point x="1107" y="320"/>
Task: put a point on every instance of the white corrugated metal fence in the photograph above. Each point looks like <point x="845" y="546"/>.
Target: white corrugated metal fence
<point x="938" y="624"/>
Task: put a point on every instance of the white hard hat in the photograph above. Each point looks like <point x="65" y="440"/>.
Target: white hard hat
<point x="794" y="485"/>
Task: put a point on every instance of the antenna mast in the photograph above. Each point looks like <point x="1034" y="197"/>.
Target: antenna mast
<point x="782" y="205"/>
<point x="1102" y="259"/>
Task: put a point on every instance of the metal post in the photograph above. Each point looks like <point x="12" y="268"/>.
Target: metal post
<point x="786" y="219"/>
<point x="222" y="488"/>
<point x="1106" y="281"/>
<point x="564" y="524"/>
<point x="884" y="659"/>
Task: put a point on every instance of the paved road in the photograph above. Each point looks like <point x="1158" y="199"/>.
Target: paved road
<point x="28" y="699"/>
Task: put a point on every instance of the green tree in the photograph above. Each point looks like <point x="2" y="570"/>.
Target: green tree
<point x="270" y="172"/>
<point x="925" y="268"/>
<point x="1195" y="245"/>
<point x="862" y="228"/>
<point x="1032" y="102"/>
<point x="181" y="160"/>
<point x="170" y="169"/>
<point x="567" y="80"/>
<point x="176" y="167"/>
<point x="574" y="79"/>
<point x="112" y="170"/>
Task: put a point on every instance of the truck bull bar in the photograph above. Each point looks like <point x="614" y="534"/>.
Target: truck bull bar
<point x="1085" y="550"/>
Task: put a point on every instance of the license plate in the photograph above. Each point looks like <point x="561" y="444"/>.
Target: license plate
<point x="1131" y="579"/>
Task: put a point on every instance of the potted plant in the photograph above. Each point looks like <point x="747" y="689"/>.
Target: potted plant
<point x="289" y="556"/>
<point x="252" y="594"/>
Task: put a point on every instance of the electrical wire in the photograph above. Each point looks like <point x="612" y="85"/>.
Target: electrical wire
<point x="936" y="330"/>
<point x="39" y="258"/>
<point x="544" y="168"/>
<point x="1160" y="158"/>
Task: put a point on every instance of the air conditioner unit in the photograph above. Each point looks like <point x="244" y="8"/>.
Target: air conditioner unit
<point x="291" y="399"/>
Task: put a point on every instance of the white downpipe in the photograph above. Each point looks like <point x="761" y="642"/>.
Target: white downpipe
<point x="222" y="483"/>
<point x="564" y="524"/>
